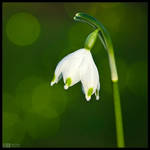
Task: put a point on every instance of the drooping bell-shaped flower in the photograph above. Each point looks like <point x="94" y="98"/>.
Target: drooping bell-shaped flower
<point x="80" y="66"/>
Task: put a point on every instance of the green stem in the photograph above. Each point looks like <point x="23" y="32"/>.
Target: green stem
<point x="107" y="43"/>
<point x="118" y="115"/>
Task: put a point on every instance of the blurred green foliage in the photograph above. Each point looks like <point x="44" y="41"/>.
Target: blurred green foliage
<point x="37" y="115"/>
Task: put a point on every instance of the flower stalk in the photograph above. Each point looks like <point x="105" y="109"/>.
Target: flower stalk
<point x="107" y="43"/>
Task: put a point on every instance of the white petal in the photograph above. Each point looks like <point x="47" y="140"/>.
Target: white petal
<point x="52" y="83"/>
<point x="67" y="66"/>
<point x="97" y="97"/>
<point x="89" y="74"/>
<point x="65" y="87"/>
<point x="59" y="68"/>
<point x="88" y="98"/>
<point x="71" y="68"/>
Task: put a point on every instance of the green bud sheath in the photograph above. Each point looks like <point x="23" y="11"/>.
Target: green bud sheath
<point x="91" y="39"/>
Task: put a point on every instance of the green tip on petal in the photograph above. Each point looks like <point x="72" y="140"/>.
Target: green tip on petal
<point x="53" y="80"/>
<point x="68" y="81"/>
<point x="54" y="77"/>
<point x="90" y="91"/>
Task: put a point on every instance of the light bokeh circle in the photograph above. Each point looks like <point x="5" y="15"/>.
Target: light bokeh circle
<point x="23" y="29"/>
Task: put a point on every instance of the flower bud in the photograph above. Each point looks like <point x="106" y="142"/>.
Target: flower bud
<point x="91" y="39"/>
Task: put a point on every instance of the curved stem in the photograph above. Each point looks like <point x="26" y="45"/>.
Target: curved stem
<point x="105" y="39"/>
<point x="107" y="43"/>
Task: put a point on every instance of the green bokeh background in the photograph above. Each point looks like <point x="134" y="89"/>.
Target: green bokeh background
<point x="38" y="115"/>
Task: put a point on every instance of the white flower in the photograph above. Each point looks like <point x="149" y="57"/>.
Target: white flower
<point x="79" y="66"/>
